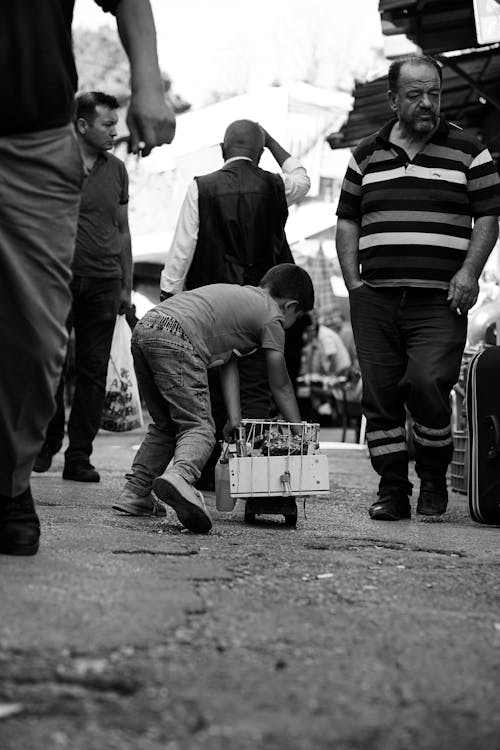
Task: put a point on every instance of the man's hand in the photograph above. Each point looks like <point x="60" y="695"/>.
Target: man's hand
<point x="125" y="301"/>
<point x="355" y="285"/>
<point x="463" y="290"/>
<point x="150" y="120"/>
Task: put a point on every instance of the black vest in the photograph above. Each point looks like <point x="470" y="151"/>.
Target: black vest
<point x="242" y="216"/>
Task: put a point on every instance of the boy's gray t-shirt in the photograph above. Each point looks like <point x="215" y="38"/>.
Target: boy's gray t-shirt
<point x="221" y="318"/>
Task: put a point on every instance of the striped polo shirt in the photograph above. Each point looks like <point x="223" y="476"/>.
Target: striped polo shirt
<point x="416" y="216"/>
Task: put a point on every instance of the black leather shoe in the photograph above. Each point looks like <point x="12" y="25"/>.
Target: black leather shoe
<point x="390" y="507"/>
<point x="43" y="461"/>
<point x="81" y="472"/>
<point x="19" y="525"/>
<point x="433" y="497"/>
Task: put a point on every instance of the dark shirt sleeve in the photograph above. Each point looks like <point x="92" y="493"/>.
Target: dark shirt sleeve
<point x="349" y="205"/>
<point x="483" y="185"/>
<point x="108" y="5"/>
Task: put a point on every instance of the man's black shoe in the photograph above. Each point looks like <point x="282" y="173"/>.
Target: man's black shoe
<point x="433" y="497"/>
<point x="44" y="460"/>
<point x="81" y="472"/>
<point x="390" y="508"/>
<point x="19" y="525"/>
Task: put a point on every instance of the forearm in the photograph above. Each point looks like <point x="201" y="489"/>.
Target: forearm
<point x="279" y="153"/>
<point x="126" y="261"/>
<point x="347" y="243"/>
<point x="136" y="29"/>
<point x="284" y="397"/>
<point x="483" y="238"/>
<point x="230" y="386"/>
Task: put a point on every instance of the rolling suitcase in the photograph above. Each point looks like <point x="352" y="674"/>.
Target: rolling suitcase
<point x="483" y="415"/>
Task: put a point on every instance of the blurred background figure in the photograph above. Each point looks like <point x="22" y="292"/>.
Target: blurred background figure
<point x="42" y="176"/>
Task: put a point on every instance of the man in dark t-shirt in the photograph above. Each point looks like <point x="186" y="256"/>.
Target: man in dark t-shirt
<point x="41" y="180"/>
<point x="101" y="285"/>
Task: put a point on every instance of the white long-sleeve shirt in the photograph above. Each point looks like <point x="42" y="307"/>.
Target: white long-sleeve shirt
<point x="180" y="254"/>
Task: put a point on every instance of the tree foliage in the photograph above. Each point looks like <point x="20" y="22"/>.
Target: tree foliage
<point x="102" y="65"/>
<point x="101" y="62"/>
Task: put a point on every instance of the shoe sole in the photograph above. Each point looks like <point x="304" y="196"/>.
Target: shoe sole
<point x="384" y="515"/>
<point x="23" y="551"/>
<point x="430" y="517"/>
<point x="131" y="511"/>
<point x="75" y="479"/>
<point x="41" y="469"/>
<point x="190" y="515"/>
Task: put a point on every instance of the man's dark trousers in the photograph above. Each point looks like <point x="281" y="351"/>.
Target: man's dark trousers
<point x="96" y="302"/>
<point x="410" y="345"/>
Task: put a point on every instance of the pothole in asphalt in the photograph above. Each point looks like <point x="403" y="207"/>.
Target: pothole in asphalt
<point x="166" y="553"/>
<point x="357" y="543"/>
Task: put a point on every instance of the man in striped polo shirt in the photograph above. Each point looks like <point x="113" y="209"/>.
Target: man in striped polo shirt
<point x="417" y="220"/>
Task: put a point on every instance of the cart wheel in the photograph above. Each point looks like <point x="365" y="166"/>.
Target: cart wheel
<point x="249" y="516"/>
<point x="291" y="516"/>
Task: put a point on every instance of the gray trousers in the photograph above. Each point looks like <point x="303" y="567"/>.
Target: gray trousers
<point x="40" y="182"/>
<point x="173" y="382"/>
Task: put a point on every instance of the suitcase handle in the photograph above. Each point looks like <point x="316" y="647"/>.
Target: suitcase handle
<point x="494" y="436"/>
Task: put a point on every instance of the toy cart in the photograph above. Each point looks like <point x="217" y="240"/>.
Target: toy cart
<point x="269" y="467"/>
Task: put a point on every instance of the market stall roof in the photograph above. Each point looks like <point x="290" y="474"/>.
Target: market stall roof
<point x="471" y="85"/>
<point x="471" y="73"/>
<point x="433" y="25"/>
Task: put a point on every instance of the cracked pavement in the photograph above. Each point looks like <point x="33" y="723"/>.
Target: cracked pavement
<point x="342" y="633"/>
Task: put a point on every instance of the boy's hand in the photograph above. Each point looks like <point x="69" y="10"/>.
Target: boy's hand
<point x="229" y="431"/>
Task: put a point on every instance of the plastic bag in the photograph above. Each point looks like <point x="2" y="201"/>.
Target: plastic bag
<point x="122" y="405"/>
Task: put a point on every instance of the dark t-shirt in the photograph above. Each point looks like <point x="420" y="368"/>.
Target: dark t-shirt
<point x="98" y="245"/>
<point x="38" y="78"/>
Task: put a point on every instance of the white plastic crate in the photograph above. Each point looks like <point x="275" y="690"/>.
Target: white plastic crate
<point x="298" y="470"/>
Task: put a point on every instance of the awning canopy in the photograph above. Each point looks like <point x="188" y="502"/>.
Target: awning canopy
<point x="467" y="99"/>
<point x="433" y="25"/>
<point x="471" y="77"/>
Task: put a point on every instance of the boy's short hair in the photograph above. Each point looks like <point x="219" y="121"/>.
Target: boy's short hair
<point x="289" y="281"/>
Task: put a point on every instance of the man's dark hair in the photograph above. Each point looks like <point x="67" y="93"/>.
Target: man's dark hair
<point x="86" y="104"/>
<point x="396" y="65"/>
<point x="289" y="281"/>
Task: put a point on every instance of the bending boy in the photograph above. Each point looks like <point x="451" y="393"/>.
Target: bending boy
<point x="173" y="346"/>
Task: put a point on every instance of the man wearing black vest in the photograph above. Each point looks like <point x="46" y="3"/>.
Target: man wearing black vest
<point x="231" y="229"/>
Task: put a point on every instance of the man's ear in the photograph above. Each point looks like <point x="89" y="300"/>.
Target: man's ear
<point x="81" y="125"/>
<point x="223" y="151"/>
<point x="391" y="97"/>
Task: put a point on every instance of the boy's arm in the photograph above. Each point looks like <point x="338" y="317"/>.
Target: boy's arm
<point x="230" y="384"/>
<point x="281" y="387"/>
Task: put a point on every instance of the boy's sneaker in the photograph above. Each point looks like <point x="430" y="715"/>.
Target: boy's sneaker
<point x="433" y="497"/>
<point x="390" y="506"/>
<point x="187" y="502"/>
<point x="19" y="525"/>
<point x="134" y="505"/>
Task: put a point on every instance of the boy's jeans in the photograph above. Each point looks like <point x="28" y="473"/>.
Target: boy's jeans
<point x="173" y="381"/>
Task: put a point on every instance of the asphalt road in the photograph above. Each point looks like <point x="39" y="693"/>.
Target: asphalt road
<point x="343" y="633"/>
